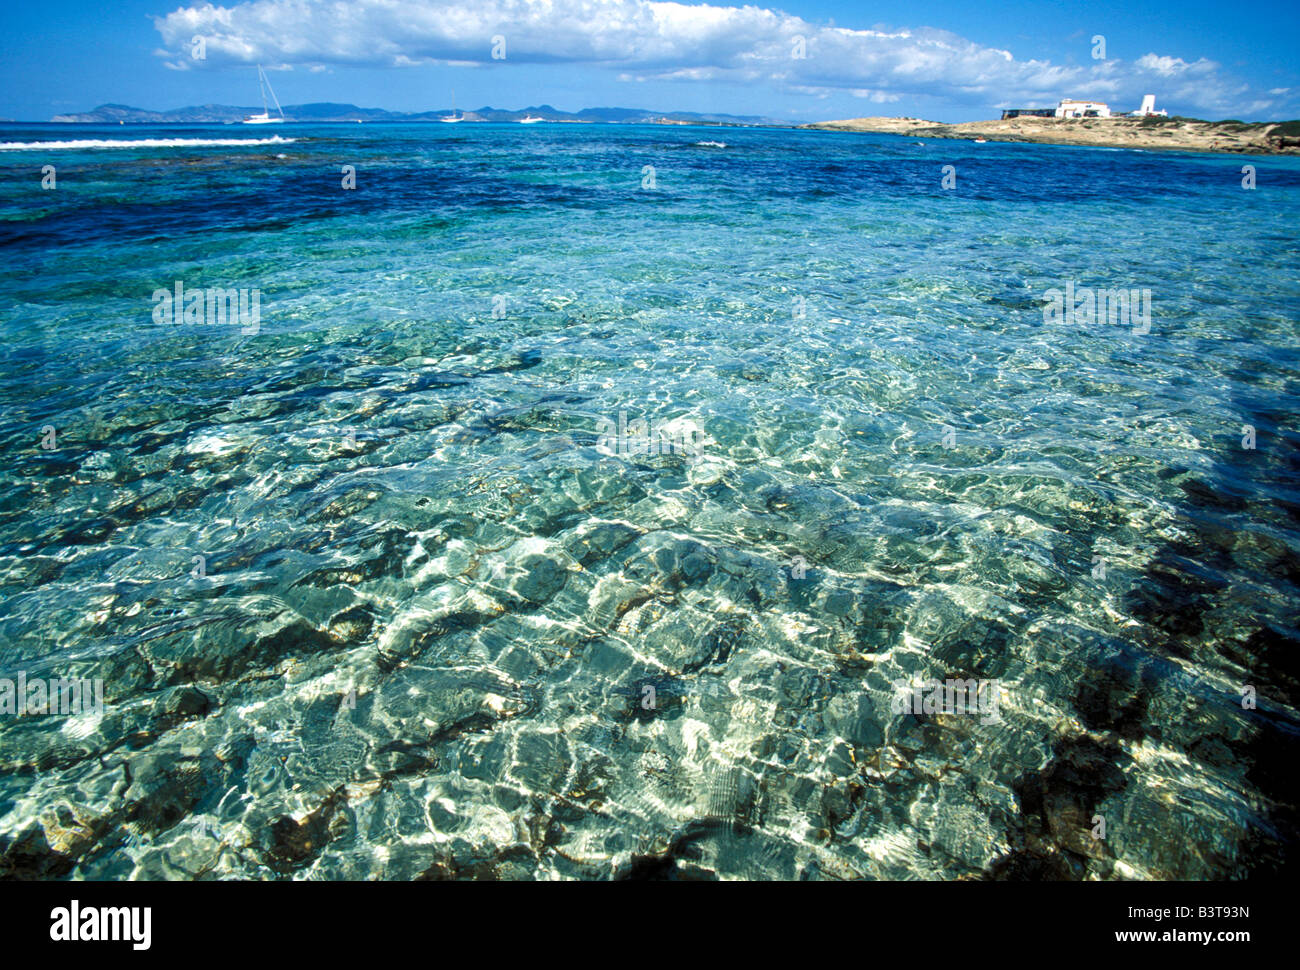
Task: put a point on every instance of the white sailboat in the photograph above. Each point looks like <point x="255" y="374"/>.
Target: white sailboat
<point x="451" y="119"/>
<point x="265" y="117"/>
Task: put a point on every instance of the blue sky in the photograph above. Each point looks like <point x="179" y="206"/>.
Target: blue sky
<point x="947" y="60"/>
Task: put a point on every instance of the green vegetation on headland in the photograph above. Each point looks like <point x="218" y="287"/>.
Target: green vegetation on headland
<point x="1177" y="133"/>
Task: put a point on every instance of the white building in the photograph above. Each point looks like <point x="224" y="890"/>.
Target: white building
<point x="1148" y="109"/>
<point x="1070" y="108"/>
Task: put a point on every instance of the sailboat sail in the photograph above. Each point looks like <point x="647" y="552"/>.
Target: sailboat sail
<point x="265" y="117"/>
<point x="451" y="119"/>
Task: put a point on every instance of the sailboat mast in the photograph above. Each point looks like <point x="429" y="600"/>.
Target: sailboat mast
<point x="265" y="83"/>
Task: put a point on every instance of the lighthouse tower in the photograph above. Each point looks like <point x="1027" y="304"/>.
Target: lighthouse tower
<point x="1148" y="108"/>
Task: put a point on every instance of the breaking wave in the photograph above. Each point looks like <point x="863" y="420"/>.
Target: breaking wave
<point x="19" y="146"/>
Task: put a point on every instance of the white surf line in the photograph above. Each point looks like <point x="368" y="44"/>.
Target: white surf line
<point x="25" y="146"/>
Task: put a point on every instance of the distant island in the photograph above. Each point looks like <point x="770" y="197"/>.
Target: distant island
<point x="1154" y="132"/>
<point x="326" y="112"/>
<point x="1118" y="131"/>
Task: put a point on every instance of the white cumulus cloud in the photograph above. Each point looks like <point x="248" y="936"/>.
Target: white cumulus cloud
<point x="649" y="39"/>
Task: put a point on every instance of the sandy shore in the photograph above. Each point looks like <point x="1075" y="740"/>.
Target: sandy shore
<point x="1166" y="133"/>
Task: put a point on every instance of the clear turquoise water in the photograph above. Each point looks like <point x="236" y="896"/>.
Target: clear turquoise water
<point x="422" y="650"/>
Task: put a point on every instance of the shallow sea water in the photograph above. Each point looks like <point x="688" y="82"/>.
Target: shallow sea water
<point x="432" y="604"/>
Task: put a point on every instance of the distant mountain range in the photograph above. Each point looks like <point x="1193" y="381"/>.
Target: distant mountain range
<point x="327" y="112"/>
